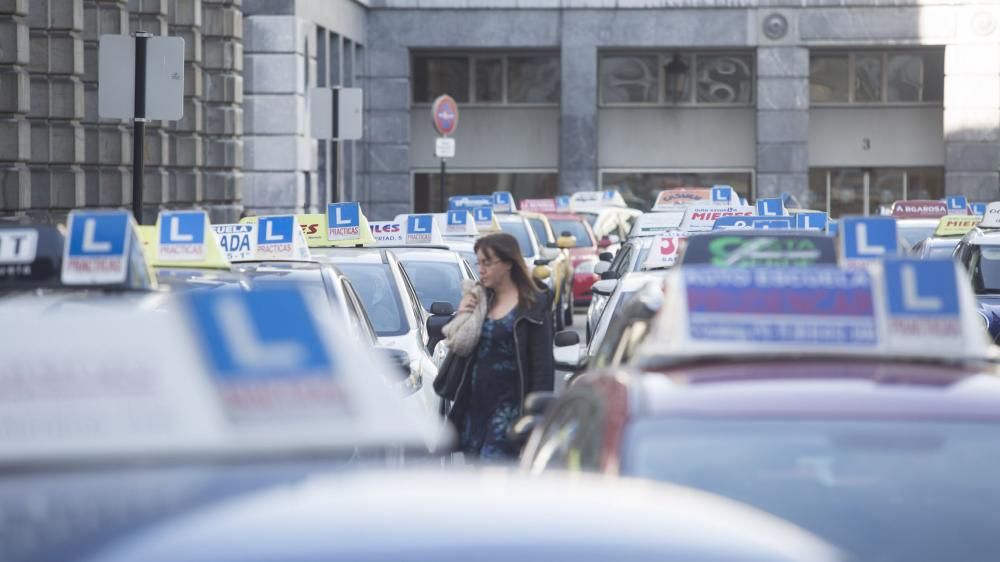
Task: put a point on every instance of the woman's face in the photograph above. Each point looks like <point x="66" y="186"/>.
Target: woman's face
<point x="492" y="271"/>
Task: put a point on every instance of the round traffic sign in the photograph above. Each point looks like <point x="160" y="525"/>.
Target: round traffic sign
<point x="444" y="113"/>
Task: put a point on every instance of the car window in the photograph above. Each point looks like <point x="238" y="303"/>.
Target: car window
<point x="878" y="488"/>
<point x="576" y="229"/>
<point x="912" y="233"/>
<point x="518" y="230"/>
<point x="985" y="269"/>
<point x="358" y="314"/>
<point x="541" y="233"/>
<point x="621" y="260"/>
<point x="940" y="252"/>
<point x="434" y="281"/>
<point x="591" y="219"/>
<point x="380" y="295"/>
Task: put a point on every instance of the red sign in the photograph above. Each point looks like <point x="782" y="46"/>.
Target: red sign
<point x="444" y="113"/>
<point x="919" y="209"/>
<point x="538" y="205"/>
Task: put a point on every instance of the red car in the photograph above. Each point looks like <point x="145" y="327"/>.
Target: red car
<point x="839" y="423"/>
<point x="584" y="255"/>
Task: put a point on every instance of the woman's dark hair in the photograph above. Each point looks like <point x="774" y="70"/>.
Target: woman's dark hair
<point x="504" y="247"/>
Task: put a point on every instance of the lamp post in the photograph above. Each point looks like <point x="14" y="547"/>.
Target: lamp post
<point x="676" y="78"/>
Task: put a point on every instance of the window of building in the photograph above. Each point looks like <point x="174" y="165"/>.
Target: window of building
<point x="861" y="191"/>
<point x="639" y="188"/>
<point x="524" y="185"/>
<point x="684" y="78"/>
<point x="487" y="78"/>
<point x="877" y="77"/>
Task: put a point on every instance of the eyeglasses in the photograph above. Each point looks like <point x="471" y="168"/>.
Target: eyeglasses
<point x="489" y="263"/>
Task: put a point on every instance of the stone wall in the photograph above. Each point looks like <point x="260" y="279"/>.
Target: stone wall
<point x="57" y="154"/>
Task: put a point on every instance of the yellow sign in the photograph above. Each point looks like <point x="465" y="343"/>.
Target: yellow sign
<point x="956" y="225"/>
<point x="211" y="254"/>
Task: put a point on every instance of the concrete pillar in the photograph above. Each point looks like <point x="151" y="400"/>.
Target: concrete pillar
<point x="578" y="130"/>
<point x="57" y="106"/>
<point x="972" y="108"/>
<point x="280" y="158"/>
<point x="108" y="143"/>
<point x="186" y="146"/>
<point x="15" y="103"/>
<point x="151" y="16"/>
<point x="222" y="45"/>
<point x="783" y="123"/>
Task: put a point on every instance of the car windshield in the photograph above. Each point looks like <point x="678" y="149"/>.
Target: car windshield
<point x="882" y="490"/>
<point x="380" y="295"/>
<point x="434" y="281"/>
<point x="576" y="229"/>
<point x="914" y="233"/>
<point x="471" y="258"/>
<point x="940" y="251"/>
<point x="985" y="269"/>
<point x="591" y="218"/>
<point x="538" y="225"/>
<point x="519" y="231"/>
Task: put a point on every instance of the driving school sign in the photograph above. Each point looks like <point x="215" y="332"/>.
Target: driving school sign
<point x="444" y="114"/>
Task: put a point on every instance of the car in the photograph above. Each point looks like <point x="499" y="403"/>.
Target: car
<point x="816" y="394"/>
<point x="436" y="273"/>
<point x="917" y="219"/>
<point x="946" y="237"/>
<point x="607" y="216"/>
<point x="632" y="255"/>
<point x="557" y="249"/>
<point x="584" y="253"/>
<point x="531" y="249"/>
<point x="979" y="254"/>
<point x="394" y="309"/>
<point x="572" y="357"/>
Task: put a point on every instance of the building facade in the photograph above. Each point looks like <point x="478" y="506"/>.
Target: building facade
<point x="846" y="105"/>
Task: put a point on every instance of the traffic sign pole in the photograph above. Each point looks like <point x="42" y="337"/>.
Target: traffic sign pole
<point x="139" y="124"/>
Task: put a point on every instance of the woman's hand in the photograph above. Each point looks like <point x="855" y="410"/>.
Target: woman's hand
<point x="469" y="302"/>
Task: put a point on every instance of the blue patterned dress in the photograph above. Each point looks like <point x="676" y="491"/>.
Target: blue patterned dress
<point x="495" y="402"/>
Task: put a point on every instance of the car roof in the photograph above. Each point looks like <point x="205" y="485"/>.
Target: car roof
<point x="350" y="255"/>
<point x="503" y="514"/>
<point x="981" y="237"/>
<point x="426" y="254"/>
<point x="565" y="217"/>
<point x="817" y="388"/>
<point x="509" y="217"/>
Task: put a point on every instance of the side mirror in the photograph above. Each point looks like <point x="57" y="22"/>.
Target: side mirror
<point x="609" y="274"/>
<point x="604" y="242"/>
<point x="601" y="266"/>
<point x="566" y="242"/>
<point x="567" y="338"/>
<point x="606" y="256"/>
<point x="568" y="354"/>
<point x="440" y="308"/>
<point x="541" y="271"/>
<point x="435" y="328"/>
<point x="605" y="287"/>
<point x="536" y="403"/>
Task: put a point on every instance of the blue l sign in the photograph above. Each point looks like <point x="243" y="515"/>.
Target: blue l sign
<point x="275" y="230"/>
<point x="921" y="287"/>
<point x="419" y="224"/>
<point x="182" y="227"/>
<point x="770" y="207"/>
<point x="457" y="218"/>
<point x="811" y="221"/>
<point x="957" y="203"/>
<point x="343" y="215"/>
<point x="722" y="194"/>
<point x="869" y="237"/>
<point x="483" y="214"/>
<point x="98" y="234"/>
<point x="258" y="335"/>
<point x="562" y="202"/>
<point x="978" y="209"/>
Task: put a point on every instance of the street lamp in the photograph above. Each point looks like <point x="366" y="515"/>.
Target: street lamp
<point x="676" y="78"/>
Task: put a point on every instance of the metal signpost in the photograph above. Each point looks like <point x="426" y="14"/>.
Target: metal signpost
<point x="140" y="78"/>
<point x="444" y="115"/>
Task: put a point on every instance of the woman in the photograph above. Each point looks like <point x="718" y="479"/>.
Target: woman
<point x="513" y="356"/>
